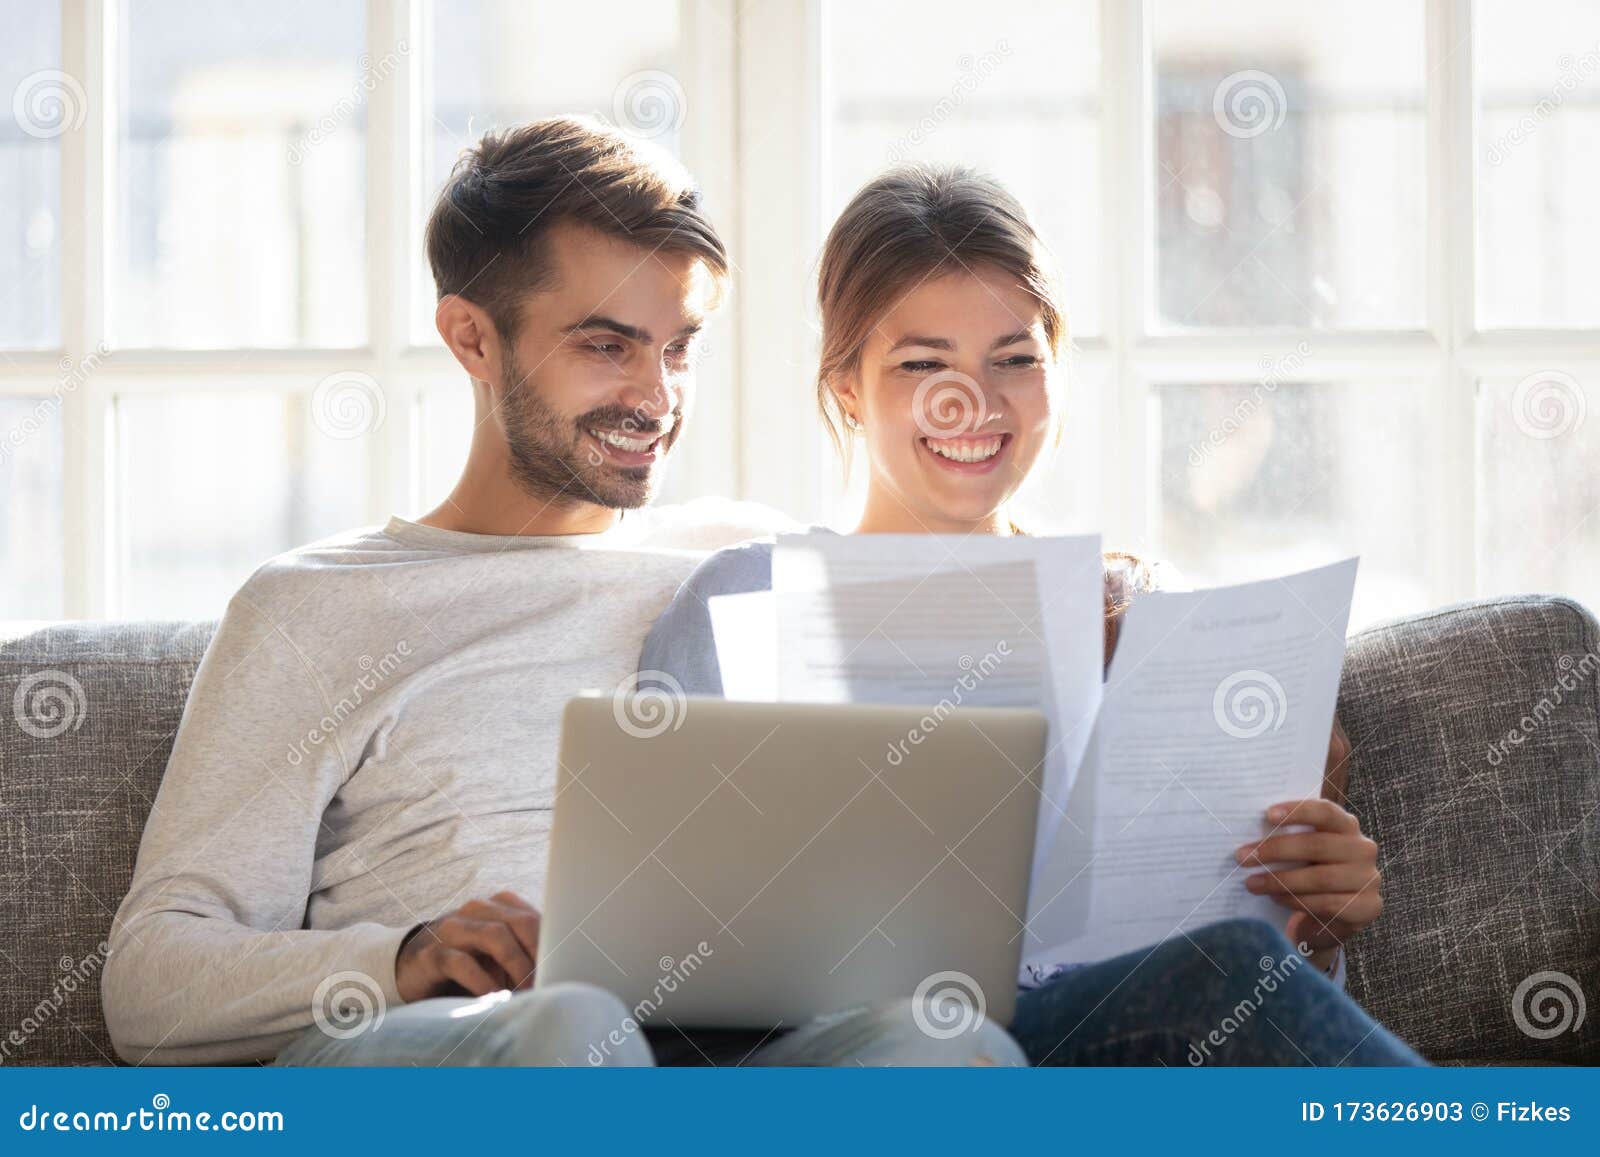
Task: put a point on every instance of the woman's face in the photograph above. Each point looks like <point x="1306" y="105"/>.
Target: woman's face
<point x="955" y="396"/>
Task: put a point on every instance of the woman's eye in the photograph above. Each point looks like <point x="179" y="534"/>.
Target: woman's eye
<point x="1022" y="361"/>
<point x="923" y="367"/>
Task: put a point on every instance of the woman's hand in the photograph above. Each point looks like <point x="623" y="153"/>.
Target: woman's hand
<point x="1336" y="889"/>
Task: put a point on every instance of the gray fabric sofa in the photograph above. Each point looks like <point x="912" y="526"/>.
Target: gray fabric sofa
<point x="1476" y="766"/>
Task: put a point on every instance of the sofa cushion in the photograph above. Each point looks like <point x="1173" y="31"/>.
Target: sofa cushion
<point x="90" y="713"/>
<point x="1476" y="767"/>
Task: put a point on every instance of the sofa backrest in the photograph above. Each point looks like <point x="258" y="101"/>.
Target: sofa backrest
<point x="1476" y="766"/>
<point x="89" y="714"/>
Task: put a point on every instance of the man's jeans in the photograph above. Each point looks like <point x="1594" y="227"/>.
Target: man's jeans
<point x="1232" y="993"/>
<point x="579" y="1025"/>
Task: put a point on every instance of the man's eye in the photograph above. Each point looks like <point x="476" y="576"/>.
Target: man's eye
<point x="609" y="348"/>
<point x="921" y="367"/>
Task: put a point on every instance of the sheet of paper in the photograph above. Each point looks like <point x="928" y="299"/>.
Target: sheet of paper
<point x="744" y="628"/>
<point x="1218" y="703"/>
<point x="963" y="620"/>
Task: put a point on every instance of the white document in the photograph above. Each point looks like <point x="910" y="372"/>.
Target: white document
<point x="1218" y="704"/>
<point x="744" y="628"/>
<point x="949" y="619"/>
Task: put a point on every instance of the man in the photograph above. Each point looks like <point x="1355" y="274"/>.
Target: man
<point x="344" y="860"/>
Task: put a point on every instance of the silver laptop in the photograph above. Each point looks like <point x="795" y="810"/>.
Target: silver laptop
<point x="749" y="865"/>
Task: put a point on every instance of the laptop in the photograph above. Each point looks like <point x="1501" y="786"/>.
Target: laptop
<point x="727" y="864"/>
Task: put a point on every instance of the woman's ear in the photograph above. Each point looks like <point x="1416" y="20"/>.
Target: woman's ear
<point x="846" y="388"/>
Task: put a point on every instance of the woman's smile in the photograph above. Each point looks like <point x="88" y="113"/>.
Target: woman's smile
<point x="968" y="454"/>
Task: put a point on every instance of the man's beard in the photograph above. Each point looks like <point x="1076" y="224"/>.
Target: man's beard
<point x="553" y="458"/>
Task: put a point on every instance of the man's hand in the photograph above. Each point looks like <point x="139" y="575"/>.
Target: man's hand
<point x="481" y="947"/>
<point x="1336" y="890"/>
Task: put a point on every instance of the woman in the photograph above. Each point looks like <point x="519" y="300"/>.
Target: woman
<point x="937" y="302"/>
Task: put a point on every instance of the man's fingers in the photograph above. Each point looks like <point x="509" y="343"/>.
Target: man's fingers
<point x="465" y="970"/>
<point x="512" y="900"/>
<point x="492" y="939"/>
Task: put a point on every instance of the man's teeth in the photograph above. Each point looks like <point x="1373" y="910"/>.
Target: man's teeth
<point x="966" y="449"/>
<point x="623" y="442"/>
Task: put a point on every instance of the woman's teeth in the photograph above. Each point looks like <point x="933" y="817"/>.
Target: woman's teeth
<point x="966" y="449"/>
<point x="623" y="442"/>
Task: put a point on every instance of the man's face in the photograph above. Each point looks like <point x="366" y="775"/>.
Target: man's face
<point x="598" y="380"/>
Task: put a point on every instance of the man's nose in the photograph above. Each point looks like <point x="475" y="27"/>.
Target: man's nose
<point x="653" y="395"/>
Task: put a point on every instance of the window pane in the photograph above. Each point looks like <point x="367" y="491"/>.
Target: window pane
<point x="498" y="63"/>
<point x="243" y="174"/>
<point x="1290" y="164"/>
<point x="1538" y="490"/>
<point x="1010" y="86"/>
<point x="1538" y="162"/>
<point x="1266" y="478"/>
<point x="211" y="485"/>
<point x="445" y="421"/>
<point x="46" y="103"/>
<point x="30" y="508"/>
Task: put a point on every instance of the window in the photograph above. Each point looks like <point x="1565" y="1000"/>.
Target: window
<point x="1328" y="267"/>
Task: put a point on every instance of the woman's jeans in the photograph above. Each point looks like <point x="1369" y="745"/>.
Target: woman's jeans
<point x="1233" y="993"/>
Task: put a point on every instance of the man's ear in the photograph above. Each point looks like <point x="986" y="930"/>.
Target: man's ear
<point x="470" y="335"/>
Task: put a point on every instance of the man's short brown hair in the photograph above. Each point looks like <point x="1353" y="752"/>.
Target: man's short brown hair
<point x="486" y="234"/>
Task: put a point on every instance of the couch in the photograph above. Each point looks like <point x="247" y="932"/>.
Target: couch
<point x="1475" y="765"/>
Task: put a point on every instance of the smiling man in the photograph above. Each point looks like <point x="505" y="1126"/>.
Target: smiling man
<point x="346" y="857"/>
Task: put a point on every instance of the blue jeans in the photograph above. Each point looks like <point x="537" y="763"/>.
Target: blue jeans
<point x="581" y="1025"/>
<point x="1231" y="993"/>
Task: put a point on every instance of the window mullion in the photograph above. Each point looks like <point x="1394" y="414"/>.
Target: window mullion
<point x="1451" y="254"/>
<point x="87" y="37"/>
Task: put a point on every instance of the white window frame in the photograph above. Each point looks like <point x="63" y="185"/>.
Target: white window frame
<point x="756" y="135"/>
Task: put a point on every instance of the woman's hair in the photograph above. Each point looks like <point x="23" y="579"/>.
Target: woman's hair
<point x="907" y="226"/>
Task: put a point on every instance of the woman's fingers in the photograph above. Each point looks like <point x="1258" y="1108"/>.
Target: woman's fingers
<point x="1311" y="881"/>
<point x="1353" y="905"/>
<point x="1313" y="847"/>
<point x="1322" y="814"/>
